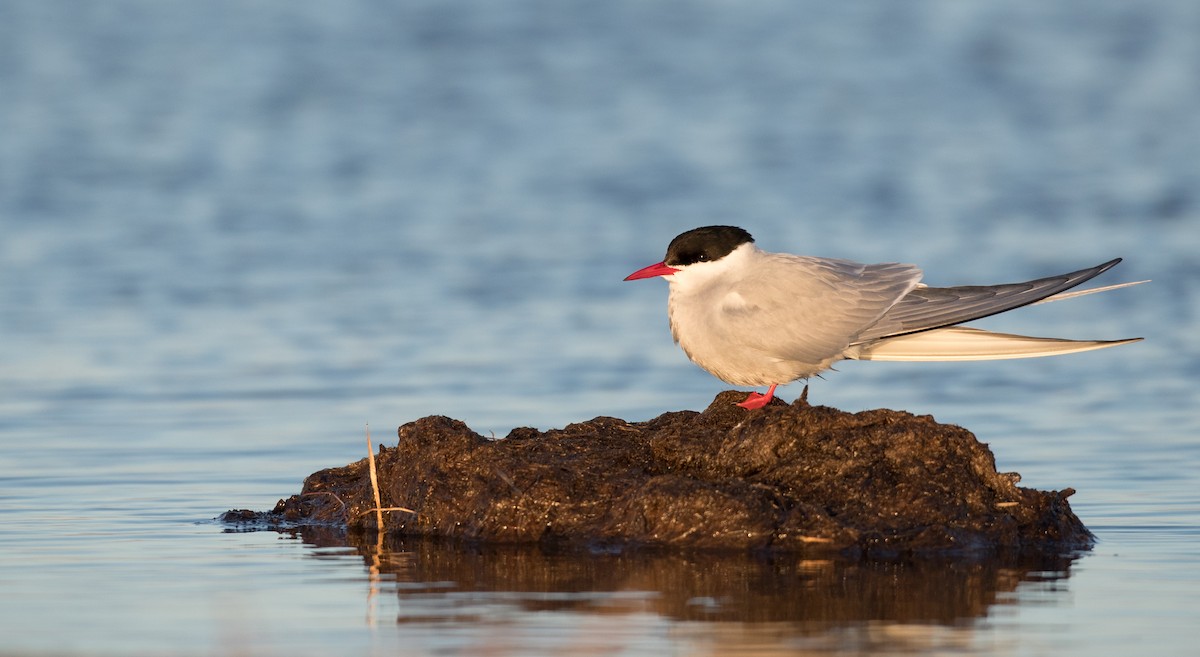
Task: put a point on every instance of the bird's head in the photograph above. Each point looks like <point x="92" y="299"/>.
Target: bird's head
<point x="698" y="250"/>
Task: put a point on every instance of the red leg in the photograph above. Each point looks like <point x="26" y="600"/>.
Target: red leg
<point x="756" y="400"/>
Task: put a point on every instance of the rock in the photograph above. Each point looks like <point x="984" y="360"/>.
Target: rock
<point x="786" y="478"/>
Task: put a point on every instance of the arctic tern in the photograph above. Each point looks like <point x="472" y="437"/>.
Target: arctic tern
<point x="754" y="318"/>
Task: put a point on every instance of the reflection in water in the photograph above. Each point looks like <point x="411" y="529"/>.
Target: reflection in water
<point x="761" y="604"/>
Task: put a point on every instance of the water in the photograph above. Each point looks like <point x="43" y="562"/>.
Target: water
<point x="235" y="234"/>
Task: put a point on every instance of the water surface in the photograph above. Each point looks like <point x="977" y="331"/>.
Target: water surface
<point x="234" y="235"/>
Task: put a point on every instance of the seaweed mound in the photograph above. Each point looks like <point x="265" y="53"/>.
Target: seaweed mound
<point x="794" y="478"/>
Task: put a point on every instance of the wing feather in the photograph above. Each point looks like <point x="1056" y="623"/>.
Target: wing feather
<point x="808" y="309"/>
<point x="927" y="308"/>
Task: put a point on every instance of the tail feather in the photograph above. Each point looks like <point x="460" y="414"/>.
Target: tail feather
<point x="1083" y="293"/>
<point x="960" y="343"/>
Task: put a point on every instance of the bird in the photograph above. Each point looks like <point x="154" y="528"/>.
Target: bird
<point x="754" y="318"/>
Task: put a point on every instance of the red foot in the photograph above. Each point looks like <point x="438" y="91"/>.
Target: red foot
<point x="756" y="400"/>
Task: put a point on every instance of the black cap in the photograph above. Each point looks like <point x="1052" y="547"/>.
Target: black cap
<point x="705" y="244"/>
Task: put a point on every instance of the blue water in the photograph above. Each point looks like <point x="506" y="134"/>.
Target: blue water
<point x="236" y="234"/>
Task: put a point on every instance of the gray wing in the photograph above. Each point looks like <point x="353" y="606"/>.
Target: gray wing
<point x="809" y="309"/>
<point x="928" y="308"/>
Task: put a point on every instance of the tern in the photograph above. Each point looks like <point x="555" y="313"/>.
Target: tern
<point x="754" y="318"/>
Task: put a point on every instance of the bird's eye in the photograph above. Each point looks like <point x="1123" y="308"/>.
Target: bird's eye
<point x="690" y="258"/>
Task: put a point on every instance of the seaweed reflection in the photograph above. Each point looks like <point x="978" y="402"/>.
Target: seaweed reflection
<point x="743" y="599"/>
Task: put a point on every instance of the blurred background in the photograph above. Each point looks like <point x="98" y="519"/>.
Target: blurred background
<point x="234" y="233"/>
<point x="380" y="211"/>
